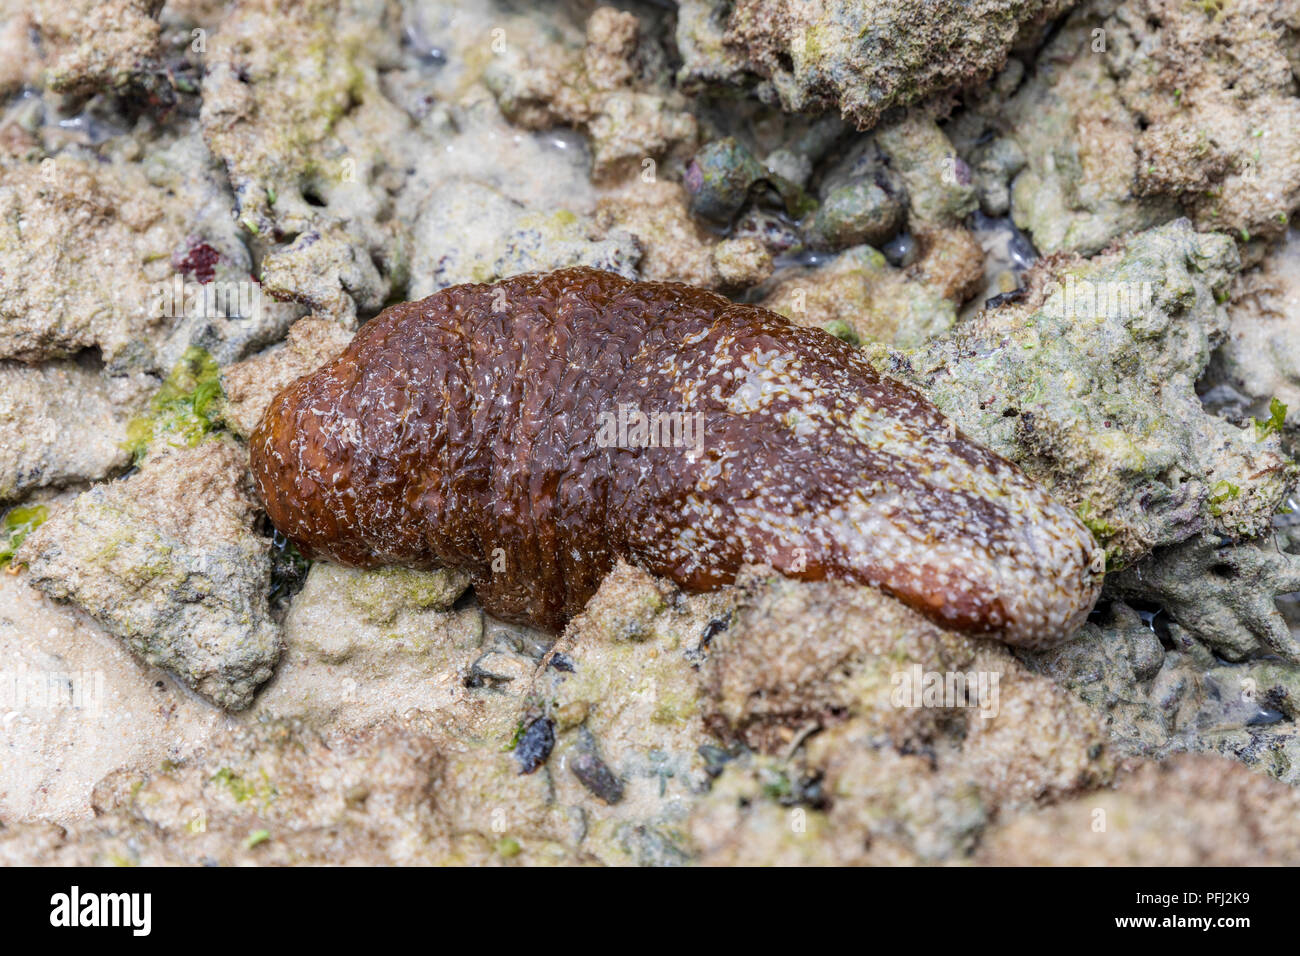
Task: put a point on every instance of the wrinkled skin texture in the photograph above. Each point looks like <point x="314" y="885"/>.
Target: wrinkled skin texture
<point x="466" y="430"/>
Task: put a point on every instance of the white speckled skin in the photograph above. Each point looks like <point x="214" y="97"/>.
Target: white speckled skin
<point x="464" y="428"/>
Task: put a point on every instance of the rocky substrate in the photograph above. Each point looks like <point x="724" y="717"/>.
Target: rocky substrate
<point x="1071" y="230"/>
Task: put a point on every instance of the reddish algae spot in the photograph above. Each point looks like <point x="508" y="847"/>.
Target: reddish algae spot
<point x="200" y="262"/>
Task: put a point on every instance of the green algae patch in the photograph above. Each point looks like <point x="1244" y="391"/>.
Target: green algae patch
<point x="382" y="593"/>
<point x="260" y="792"/>
<point x="842" y="331"/>
<point x="16" y="525"/>
<point x="1273" y="424"/>
<point x="184" y="411"/>
<point x="1221" y="493"/>
<point x="517" y="736"/>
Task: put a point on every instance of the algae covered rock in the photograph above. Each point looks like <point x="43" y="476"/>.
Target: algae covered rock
<point x="58" y="424"/>
<point x="468" y="232"/>
<point x="82" y="248"/>
<point x="168" y="561"/>
<point x="96" y="45"/>
<point x="1261" y="357"/>
<point x="616" y="88"/>
<point x="940" y="190"/>
<point x="1188" y="811"/>
<point x="20" y="58"/>
<point x="1146" y="696"/>
<point x="1071" y="146"/>
<point x="1157" y="700"/>
<point x="724" y="175"/>
<point x="859" y="296"/>
<point x="249" y="386"/>
<point x="326" y="270"/>
<point x="861" y="57"/>
<point x="763" y="686"/>
<point x="138" y="261"/>
<point x="1089" y="383"/>
<point x="293" y="108"/>
<point x="853" y="213"/>
<point x="741" y="262"/>
<point x="1224" y="596"/>
<point x="274" y="793"/>
<point x="182" y="412"/>
<point x="675" y="248"/>
<point x="1137" y="111"/>
<point x="883" y="738"/>
<point x="622" y="694"/>
<point x="363" y="645"/>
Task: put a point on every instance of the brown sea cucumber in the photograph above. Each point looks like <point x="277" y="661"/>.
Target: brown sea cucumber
<point x="537" y="429"/>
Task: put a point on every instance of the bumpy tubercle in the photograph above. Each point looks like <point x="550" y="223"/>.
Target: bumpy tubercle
<point x="472" y="429"/>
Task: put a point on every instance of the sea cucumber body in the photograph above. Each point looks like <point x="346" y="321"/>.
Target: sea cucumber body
<point x="471" y="429"/>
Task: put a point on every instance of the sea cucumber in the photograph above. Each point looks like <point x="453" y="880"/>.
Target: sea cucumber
<point x="478" y="428"/>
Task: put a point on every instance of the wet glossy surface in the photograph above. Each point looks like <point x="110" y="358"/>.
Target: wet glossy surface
<point x="473" y="428"/>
